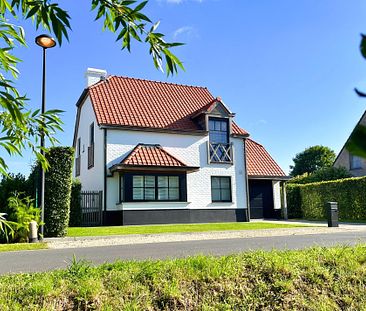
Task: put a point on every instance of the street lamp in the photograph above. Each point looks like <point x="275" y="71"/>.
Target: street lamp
<point x="45" y="42"/>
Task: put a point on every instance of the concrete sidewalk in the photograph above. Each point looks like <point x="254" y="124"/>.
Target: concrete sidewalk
<point x="96" y="241"/>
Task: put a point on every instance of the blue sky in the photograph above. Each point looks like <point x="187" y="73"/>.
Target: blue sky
<point x="286" y="68"/>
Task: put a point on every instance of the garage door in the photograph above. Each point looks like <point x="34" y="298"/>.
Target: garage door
<point x="261" y="199"/>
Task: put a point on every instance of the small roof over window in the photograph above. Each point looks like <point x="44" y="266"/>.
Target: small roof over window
<point x="151" y="157"/>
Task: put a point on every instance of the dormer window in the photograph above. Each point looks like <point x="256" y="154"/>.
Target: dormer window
<point x="220" y="149"/>
<point x="218" y="131"/>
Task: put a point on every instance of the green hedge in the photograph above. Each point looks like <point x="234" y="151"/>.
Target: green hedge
<point x="75" y="204"/>
<point x="308" y="201"/>
<point x="58" y="190"/>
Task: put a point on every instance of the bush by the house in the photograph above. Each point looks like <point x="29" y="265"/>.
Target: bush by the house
<point x="23" y="212"/>
<point x="75" y="204"/>
<point x="8" y="186"/>
<point x="58" y="190"/>
<point x="309" y="201"/>
<point x="323" y="174"/>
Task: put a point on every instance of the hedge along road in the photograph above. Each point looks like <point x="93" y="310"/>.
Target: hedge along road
<point x="43" y="260"/>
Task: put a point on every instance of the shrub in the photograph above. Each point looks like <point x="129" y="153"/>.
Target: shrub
<point x="310" y="199"/>
<point x="323" y="174"/>
<point x="23" y="212"/>
<point x="58" y="190"/>
<point x="6" y="228"/>
<point x="9" y="185"/>
<point x="75" y="204"/>
<point x="293" y="201"/>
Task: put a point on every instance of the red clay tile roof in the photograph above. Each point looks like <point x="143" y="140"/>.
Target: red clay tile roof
<point x="151" y="155"/>
<point x="123" y="101"/>
<point x="259" y="161"/>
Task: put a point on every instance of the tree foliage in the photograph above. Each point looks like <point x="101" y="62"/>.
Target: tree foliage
<point x="20" y="127"/>
<point x="312" y="159"/>
<point x="323" y="174"/>
<point x="356" y="144"/>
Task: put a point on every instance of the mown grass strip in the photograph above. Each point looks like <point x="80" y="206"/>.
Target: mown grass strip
<point x="312" y="279"/>
<point x="22" y="247"/>
<point x="153" y="229"/>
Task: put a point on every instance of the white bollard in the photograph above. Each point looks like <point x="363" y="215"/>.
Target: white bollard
<point x="33" y="232"/>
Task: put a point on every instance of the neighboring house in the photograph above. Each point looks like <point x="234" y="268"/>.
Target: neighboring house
<point x="160" y="152"/>
<point x="354" y="164"/>
<point x="265" y="180"/>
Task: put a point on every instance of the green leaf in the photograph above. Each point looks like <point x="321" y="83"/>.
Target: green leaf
<point x="363" y="45"/>
<point x="356" y="144"/>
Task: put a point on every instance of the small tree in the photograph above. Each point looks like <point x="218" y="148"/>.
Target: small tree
<point x="312" y="159"/>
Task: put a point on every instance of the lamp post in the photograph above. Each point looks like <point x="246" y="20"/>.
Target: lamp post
<point x="45" y="42"/>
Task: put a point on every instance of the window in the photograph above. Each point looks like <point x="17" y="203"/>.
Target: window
<point x="91" y="134"/>
<point x="220" y="150"/>
<point x="152" y="187"/>
<point x="121" y="188"/>
<point x="218" y="131"/>
<point x="91" y="146"/>
<point x="168" y="188"/>
<point x="143" y="188"/>
<point x="78" y="147"/>
<point x="355" y="162"/>
<point x="77" y="160"/>
<point x="220" y="189"/>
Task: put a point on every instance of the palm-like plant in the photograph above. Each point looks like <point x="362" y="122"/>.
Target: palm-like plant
<point x="6" y="227"/>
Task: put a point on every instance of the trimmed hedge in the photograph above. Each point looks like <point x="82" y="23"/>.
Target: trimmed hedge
<point x="75" y="204"/>
<point x="308" y="201"/>
<point x="58" y="190"/>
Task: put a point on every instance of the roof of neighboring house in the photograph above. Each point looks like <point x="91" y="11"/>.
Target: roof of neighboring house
<point x="259" y="161"/>
<point x="151" y="155"/>
<point x="130" y="102"/>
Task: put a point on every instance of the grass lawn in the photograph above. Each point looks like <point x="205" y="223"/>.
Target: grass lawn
<point x="122" y="230"/>
<point x="313" y="279"/>
<point x="22" y="247"/>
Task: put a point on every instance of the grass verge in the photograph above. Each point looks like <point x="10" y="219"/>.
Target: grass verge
<point x="22" y="247"/>
<point x="151" y="229"/>
<point x="312" y="279"/>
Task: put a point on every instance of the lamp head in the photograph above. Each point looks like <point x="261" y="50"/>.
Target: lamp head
<point x="45" y="41"/>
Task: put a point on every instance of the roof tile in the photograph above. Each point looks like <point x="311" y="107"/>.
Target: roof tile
<point x="123" y="101"/>
<point x="259" y="161"/>
<point x="151" y="155"/>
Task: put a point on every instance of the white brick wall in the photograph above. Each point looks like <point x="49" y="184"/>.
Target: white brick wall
<point x="91" y="179"/>
<point x="190" y="149"/>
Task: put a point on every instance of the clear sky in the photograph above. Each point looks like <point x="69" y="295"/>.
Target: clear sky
<point x="286" y="68"/>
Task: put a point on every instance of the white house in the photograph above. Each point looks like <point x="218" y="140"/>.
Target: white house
<point x="159" y="152"/>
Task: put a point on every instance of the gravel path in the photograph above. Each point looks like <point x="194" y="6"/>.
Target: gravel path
<point x="77" y="242"/>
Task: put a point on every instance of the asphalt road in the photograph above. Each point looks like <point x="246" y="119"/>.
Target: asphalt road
<point x="43" y="260"/>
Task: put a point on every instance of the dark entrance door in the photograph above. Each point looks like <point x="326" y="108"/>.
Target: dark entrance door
<point x="261" y="199"/>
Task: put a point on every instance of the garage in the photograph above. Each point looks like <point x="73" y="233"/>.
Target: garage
<point x="265" y="178"/>
<point x="261" y="199"/>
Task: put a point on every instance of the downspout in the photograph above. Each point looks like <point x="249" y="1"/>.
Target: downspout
<point x="246" y="181"/>
<point x="105" y="173"/>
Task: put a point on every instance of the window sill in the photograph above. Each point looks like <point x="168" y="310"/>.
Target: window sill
<point x="152" y="202"/>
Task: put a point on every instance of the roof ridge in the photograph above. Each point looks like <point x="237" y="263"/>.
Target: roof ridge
<point x="154" y="81"/>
